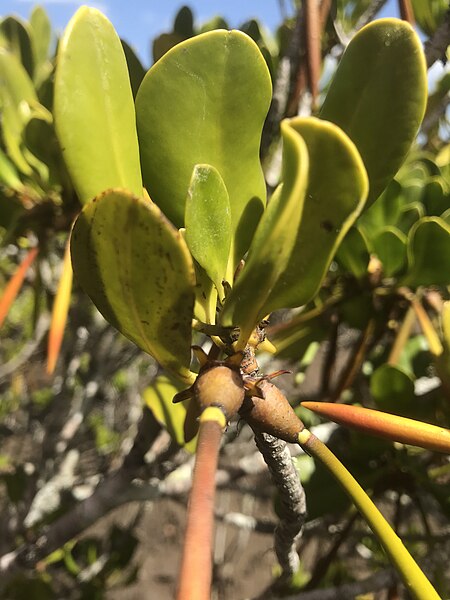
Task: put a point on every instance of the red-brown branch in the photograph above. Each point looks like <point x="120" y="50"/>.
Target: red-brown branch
<point x="196" y="565"/>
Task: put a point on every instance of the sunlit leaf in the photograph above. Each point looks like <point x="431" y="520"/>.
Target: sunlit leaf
<point x="94" y="108"/>
<point x="273" y="242"/>
<point x="336" y="192"/>
<point x="208" y="223"/>
<point x="189" y="107"/>
<point x="137" y="269"/>
<point x="378" y="96"/>
<point x="158" y="398"/>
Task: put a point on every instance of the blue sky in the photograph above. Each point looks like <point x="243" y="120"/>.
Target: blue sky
<point x="139" y="21"/>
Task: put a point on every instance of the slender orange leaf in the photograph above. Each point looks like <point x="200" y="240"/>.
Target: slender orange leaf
<point x="15" y="283"/>
<point x="391" y="427"/>
<point x="60" y="311"/>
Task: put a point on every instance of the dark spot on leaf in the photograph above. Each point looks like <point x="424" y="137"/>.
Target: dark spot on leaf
<point x="145" y="322"/>
<point x="327" y="225"/>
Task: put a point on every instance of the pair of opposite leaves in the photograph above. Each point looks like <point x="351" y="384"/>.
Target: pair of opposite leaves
<point x="204" y="103"/>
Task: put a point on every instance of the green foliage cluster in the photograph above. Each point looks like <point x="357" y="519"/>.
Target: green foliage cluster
<point x="176" y="238"/>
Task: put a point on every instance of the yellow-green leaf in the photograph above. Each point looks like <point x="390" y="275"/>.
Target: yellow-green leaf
<point x="274" y="239"/>
<point x="336" y="192"/>
<point x="208" y="223"/>
<point x="137" y="269"/>
<point x="94" y="108"/>
<point x="205" y="101"/>
<point x="378" y="96"/>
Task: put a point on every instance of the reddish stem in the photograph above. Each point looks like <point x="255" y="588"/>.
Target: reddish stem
<point x="196" y="565"/>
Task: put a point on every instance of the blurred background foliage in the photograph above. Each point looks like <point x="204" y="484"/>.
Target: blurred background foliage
<point x="377" y="334"/>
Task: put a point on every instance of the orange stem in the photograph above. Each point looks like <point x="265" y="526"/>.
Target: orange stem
<point x="196" y="564"/>
<point x="406" y="11"/>
<point x="15" y="283"/>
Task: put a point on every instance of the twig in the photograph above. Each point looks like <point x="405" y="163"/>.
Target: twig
<point x="324" y="562"/>
<point x="355" y="362"/>
<point x="283" y="86"/>
<point x="330" y="357"/>
<point x="378" y="581"/>
<point x="436" y="47"/>
<point x="109" y="494"/>
<point x="292" y="497"/>
<point x="369" y="14"/>
<point x="28" y="350"/>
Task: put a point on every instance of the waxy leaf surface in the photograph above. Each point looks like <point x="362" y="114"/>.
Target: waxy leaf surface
<point x="429" y="253"/>
<point x="353" y="254"/>
<point x="137" y="269"/>
<point x="205" y="101"/>
<point x="378" y="96"/>
<point x="390" y="247"/>
<point x="158" y="398"/>
<point x="17" y="94"/>
<point x="208" y="223"/>
<point x="336" y="192"/>
<point x="94" y="109"/>
<point x="273" y="242"/>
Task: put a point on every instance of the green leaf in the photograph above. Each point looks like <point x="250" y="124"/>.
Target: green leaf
<point x="205" y="101"/>
<point x="393" y="390"/>
<point x="41" y="34"/>
<point x="8" y="174"/>
<point x="158" y="398"/>
<point x="384" y="212"/>
<point x="337" y="190"/>
<point x="136" y="268"/>
<point x="390" y="247"/>
<point x="16" y="95"/>
<point x="436" y="197"/>
<point x="15" y="36"/>
<point x="409" y="215"/>
<point x="353" y="254"/>
<point x="135" y="68"/>
<point x="184" y="22"/>
<point x="378" y="96"/>
<point x="274" y="239"/>
<point x="428" y="253"/>
<point x="208" y="223"/>
<point x="94" y="109"/>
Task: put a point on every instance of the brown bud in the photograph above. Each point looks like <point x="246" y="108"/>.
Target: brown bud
<point x="220" y="386"/>
<point x="273" y="414"/>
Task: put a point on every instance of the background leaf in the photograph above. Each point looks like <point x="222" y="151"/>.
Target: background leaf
<point x="429" y="253"/>
<point x="378" y="96"/>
